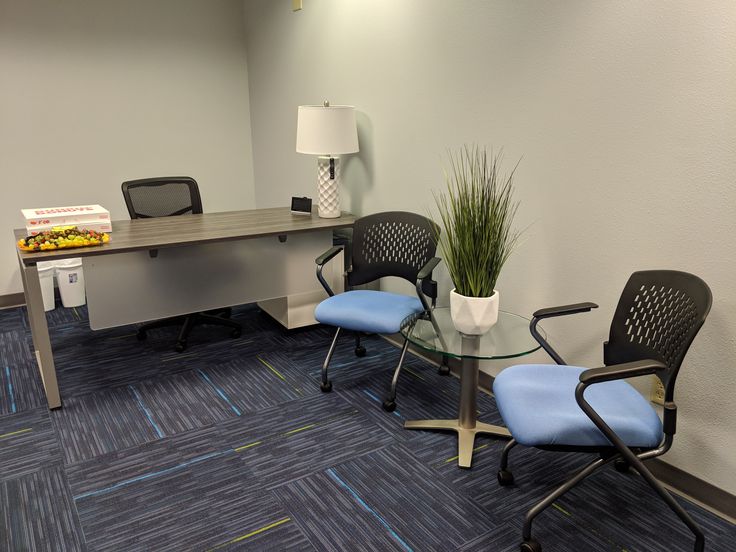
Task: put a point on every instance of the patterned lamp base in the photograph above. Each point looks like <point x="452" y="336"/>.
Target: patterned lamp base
<point x="328" y="187"/>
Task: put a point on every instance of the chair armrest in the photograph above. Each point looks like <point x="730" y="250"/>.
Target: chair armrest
<point x="615" y="372"/>
<point x="550" y="312"/>
<point x="621" y="371"/>
<point x="321" y="261"/>
<point x="424" y="273"/>
<point x="427" y="269"/>
<point x="564" y="310"/>
<point x="328" y="255"/>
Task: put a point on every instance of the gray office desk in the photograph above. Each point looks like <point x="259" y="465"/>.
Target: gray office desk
<point x="202" y="262"/>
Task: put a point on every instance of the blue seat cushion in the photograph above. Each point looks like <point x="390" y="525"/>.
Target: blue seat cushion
<point x="378" y="312"/>
<point x="537" y="402"/>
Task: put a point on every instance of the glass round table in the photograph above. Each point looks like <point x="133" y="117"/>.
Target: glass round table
<point x="508" y="338"/>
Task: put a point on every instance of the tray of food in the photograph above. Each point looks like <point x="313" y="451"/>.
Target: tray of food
<point x="63" y="237"/>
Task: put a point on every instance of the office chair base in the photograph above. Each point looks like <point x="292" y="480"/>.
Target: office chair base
<point x="530" y="546"/>
<point x="465" y="435"/>
<point x="217" y="317"/>
<point x="389" y="406"/>
<point x="326" y="387"/>
<point x="505" y="478"/>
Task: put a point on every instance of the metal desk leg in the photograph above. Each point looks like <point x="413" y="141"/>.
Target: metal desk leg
<point x="467" y="425"/>
<point x="40" y="333"/>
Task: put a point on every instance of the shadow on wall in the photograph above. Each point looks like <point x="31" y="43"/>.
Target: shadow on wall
<point x="358" y="169"/>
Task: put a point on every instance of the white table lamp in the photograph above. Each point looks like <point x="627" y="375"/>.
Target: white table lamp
<point x="327" y="131"/>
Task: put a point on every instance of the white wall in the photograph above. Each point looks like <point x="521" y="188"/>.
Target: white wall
<point x="624" y="114"/>
<point x="95" y="92"/>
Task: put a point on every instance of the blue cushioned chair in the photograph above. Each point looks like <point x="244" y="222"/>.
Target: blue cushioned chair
<point x="566" y="408"/>
<point x="385" y="244"/>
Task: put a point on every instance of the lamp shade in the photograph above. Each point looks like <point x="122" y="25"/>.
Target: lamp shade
<point x="325" y="130"/>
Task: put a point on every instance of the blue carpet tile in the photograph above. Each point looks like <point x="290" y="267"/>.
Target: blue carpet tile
<point x="232" y="446"/>
<point x="97" y="423"/>
<point x="38" y="513"/>
<point x="387" y="502"/>
<point x="28" y="442"/>
<point x="19" y="379"/>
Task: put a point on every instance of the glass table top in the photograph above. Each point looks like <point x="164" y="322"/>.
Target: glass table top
<point x="508" y="338"/>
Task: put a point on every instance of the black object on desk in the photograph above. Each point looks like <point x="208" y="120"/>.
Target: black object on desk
<point x="301" y="205"/>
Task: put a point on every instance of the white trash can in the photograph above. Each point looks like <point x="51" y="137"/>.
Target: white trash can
<point x="71" y="282"/>
<point x="46" y="272"/>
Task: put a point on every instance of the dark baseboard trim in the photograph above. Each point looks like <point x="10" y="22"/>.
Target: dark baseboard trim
<point x="12" y="300"/>
<point x="719" y="501"/>
<point x="716" y="500"/>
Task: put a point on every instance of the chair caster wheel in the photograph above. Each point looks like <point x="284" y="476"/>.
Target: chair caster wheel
<point x="236" y="333"/>
<point x="622" y="466"/>
<point x="141" y="335"/>
<point x="389" y="406"/>
<point x="326" y="387"/>
<point x="180" y="346"/>
<point x="443" y="370"/>
<point x="505" y="478"/>
<point x="530" y="546"/>
<point x="360" y="351"/>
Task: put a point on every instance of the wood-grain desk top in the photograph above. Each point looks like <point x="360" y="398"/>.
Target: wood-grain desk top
<point x="162" y="232"/>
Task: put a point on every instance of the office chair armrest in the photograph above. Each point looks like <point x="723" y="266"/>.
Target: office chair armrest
<point x="427" y="269"/>
<point x="564" y="310"/>
<point x="621" y="371"/>
<point x="422" y="282"/>
<point x="321" y="261"/>
<point x="550" y="312"/>
<point x="328" y="255"/>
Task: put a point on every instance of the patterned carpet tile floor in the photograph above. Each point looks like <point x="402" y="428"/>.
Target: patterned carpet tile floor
<point x="232" y="446"/>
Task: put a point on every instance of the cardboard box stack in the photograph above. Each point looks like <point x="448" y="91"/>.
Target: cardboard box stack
<point x="87" y="217"/>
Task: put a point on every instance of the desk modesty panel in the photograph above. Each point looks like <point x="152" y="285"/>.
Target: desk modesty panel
<point x="203" y="262"/>
<point x="134" y="287"/>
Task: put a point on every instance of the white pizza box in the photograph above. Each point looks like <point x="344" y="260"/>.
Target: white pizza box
<point x="61" y="215"/>
<point x="76" y="215"/>
<point x="96" y="226"/>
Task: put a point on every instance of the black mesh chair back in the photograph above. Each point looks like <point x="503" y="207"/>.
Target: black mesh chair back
<point x="165" y="196"/>
<point x="395" y="243"/>
<point x="658" y="316"/>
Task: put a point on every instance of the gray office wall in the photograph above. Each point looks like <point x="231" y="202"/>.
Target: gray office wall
<point x="623" y="112"/>
<point x="96" y="92"/>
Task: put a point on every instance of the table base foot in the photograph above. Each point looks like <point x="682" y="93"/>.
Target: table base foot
<point x="465" y="436"/>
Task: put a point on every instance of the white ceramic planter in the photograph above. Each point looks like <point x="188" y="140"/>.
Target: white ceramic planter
<point x="473" y="315"/>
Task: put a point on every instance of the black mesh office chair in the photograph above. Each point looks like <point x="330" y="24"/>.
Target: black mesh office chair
<point x="385" y="244"/>
<point x="164" y="197"/>
<point x="566" y="408"/>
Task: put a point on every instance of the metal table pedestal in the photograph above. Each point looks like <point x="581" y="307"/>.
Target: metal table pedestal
<point x="509" y="338"/>
<point x="466" y="425"/>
